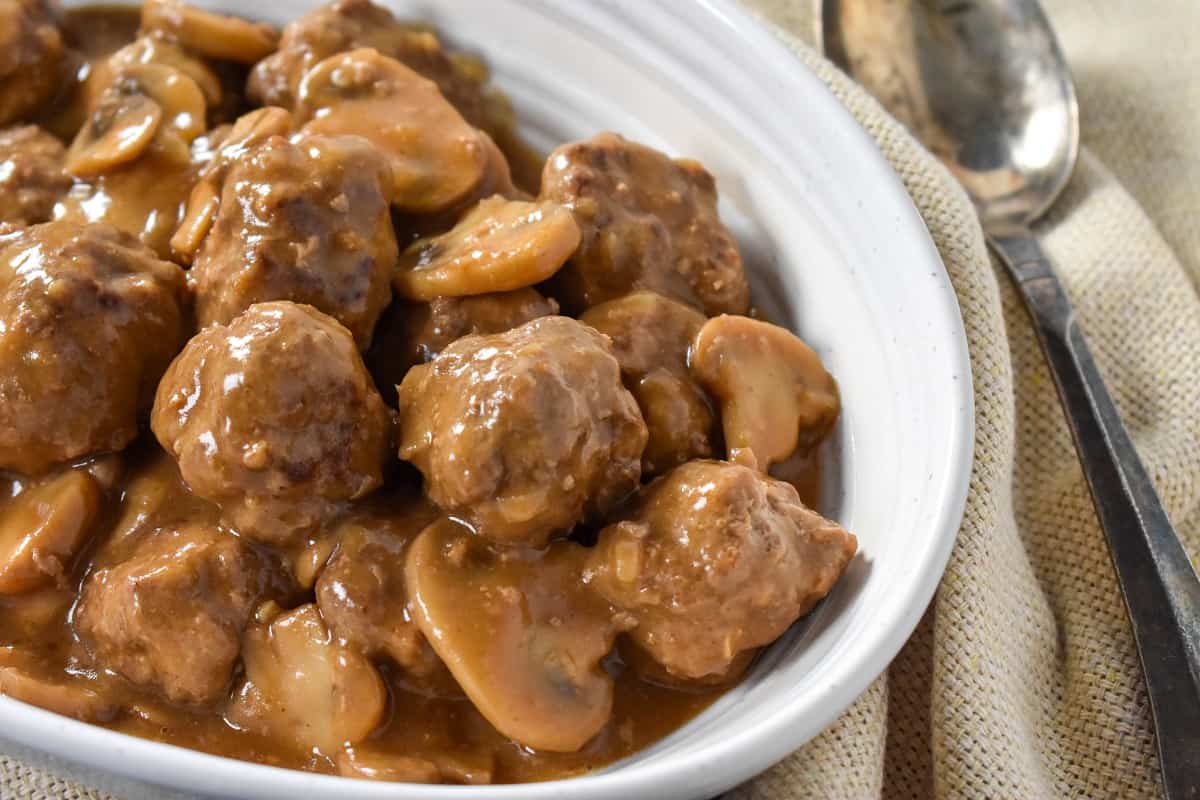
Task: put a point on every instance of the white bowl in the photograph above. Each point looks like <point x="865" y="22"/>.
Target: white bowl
<point x="837" y="252"/>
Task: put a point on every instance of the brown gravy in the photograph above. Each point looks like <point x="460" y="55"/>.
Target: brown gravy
<point x="39" y="625"/>
<point x="43" y="660"/>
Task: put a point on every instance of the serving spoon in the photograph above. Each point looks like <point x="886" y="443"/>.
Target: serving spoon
<point x="983" y="84"/>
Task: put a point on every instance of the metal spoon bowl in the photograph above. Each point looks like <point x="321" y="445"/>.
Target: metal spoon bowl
<point x="983" y="84"/>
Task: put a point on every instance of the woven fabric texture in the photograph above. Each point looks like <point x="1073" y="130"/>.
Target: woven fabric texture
<point x="1021" y="680"/>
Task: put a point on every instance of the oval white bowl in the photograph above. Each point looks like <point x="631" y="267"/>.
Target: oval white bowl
<point x="836" y="250"/>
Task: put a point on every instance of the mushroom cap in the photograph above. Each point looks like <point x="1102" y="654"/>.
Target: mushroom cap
<point x="43" y="528"/>
<point x="437" y="157"/>
<point x="216" y="36"/>
<point x="774" y="393"/>
<point x="520" y="632"/>
<point x="146" y="104"/>
<point x="500" y="245"/>
<point x="302" y="685"/>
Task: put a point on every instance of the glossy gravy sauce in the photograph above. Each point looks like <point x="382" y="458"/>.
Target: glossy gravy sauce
<point x="38" y="628"/>
<point x="143" y="491"/>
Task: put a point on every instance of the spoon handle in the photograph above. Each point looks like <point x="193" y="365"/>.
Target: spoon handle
<point x="1162" y="592"/>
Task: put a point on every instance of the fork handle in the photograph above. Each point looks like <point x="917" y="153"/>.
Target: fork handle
<point x="1162" y="593"/>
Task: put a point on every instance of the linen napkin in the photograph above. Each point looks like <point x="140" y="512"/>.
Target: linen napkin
<point x="1021" y="680"/>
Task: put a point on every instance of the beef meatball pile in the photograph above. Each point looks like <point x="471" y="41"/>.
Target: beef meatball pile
<point x="333" y="435"/>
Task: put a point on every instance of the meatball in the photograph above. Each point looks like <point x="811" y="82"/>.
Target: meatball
<point x="170" y="616"/>
<point x="414" y="333"/>
<point x="524" y="433"/>
<point x="362" y="595"/>
<point x="32" y="57"/>
<point x="89" y="319"/>
<point x="274" y="418"/>
<point x="345" y="25"/>
<point x="32" y="178"/>
<point x="651" y="335"/>
<point x="649" y="222"/>
<point x="714" y="559"/>
<point x="305" y="221"/>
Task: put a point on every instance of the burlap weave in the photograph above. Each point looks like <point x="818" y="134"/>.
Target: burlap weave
<point x="1021" y="681"/>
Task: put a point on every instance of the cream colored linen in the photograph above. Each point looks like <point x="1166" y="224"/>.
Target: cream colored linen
<point x="1021" y="681"/>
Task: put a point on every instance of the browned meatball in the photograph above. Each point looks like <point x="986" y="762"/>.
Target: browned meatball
<point x="714" y="559"/>
<point x="32" y="57"/>
<point x="89" y="319"/>
<point x="274" y="418"/>
<point x="523" y="433"/>
<point x="363" y="598"/>
<point x="648" y="222"/>
<point x="414" y="333"/>
<point x="170" y="616"/>
<point x="651" y="335"/>
<point x="32" y="178"/>
<point x="305" y="221"/>
<point x="345" y="25"/>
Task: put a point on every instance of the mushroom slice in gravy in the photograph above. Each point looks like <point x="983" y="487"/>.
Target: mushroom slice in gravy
<point x="520" y="632"/>
<point x="499" y="246"/>
<point x="211" y="35"/>
<point x="302" y="685"/>
<point x="775" y="394"/>
<point x="437" y="158"/>
<point x="43" y="528"/>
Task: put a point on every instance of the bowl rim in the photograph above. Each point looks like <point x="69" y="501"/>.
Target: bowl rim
<point x="711" y="769"/>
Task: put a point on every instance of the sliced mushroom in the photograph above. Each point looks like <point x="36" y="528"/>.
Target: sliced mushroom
<point x="250" y="129"/>
<point x="155" y="49"/>
<point x="28" y="616"/>
<point x="118" y="131"/>
<point x="378" y="765"/>
<point x="520" y="632"/>
<point x="215" y="36"/>
<point x="372" y="765"/>
<point x="20" y="680"/>
<point x="309" y="561"/>
<point x="43" y="528"/>
<point x="499" y="246"/>
<point x="302" y="686"/>
<point x="198" y="216"/>
<point x="437" y="158"/>
<point x="774" y="393"/>
<point x="145" y="494"/>
<point x="106" y="469"/>
<point x="147" y="104"/>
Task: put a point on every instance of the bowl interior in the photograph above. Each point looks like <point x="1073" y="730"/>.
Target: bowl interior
<point x="836" y="252"/>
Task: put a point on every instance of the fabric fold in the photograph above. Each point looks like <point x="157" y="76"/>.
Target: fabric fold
<point x="1022" y="679"/>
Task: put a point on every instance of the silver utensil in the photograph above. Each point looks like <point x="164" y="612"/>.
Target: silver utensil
<point x="983" y="84"/>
